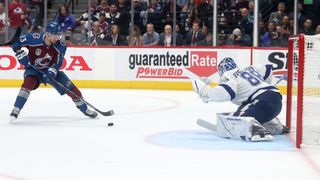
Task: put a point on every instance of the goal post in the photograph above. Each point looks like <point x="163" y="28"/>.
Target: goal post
<point x="303" y="89"/>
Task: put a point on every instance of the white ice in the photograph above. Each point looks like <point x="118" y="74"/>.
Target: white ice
<point x="52" y="140"/>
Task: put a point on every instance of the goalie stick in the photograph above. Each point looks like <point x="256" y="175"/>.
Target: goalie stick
<point x="104" y="113"/>
<point x="207" y="125"/>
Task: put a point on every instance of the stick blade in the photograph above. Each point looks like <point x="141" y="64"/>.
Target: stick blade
<point x="207" y="125"/>
<point x="107" y="113"/>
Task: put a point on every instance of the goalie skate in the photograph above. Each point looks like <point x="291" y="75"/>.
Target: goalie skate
<point x="259" y="133"/>
<point x="91" y="114"/>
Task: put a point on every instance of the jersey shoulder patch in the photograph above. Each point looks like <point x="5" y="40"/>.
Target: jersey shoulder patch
<point x="36" y="36"/>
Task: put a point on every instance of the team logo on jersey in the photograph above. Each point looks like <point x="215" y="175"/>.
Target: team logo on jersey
<point x="42" y="63"/>
<point x="36" y="36"/>
<point x="38" y="52"/>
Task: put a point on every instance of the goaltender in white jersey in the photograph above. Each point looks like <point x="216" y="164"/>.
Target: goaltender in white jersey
<point x="249" y="88"/>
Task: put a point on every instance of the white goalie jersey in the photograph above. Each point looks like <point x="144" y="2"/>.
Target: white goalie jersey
<point x="239" y="85"/>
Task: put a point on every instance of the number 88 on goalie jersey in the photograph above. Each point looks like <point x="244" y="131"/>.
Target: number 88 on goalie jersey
<point x="243" y="85"/>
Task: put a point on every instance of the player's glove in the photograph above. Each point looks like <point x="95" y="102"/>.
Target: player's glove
<point x="51" y="74"/>
<point x="202" y="89"/>
<point x="22" y="57"/>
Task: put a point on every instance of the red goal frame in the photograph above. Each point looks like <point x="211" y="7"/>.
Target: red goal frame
<point x="290" y="73"/>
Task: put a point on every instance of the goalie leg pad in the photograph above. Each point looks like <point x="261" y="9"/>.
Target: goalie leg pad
<point x="234" y="127"/>
<point x="245" y="128"/>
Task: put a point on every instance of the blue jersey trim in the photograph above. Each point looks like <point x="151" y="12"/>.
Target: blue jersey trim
<point x="268" y="71"/>
<point x="229" y="90"/>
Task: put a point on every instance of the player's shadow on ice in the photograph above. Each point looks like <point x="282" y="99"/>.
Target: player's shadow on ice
<point x="54" y="121"/>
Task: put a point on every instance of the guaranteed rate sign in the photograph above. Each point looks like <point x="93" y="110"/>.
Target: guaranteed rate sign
<point x="171" y="66"/>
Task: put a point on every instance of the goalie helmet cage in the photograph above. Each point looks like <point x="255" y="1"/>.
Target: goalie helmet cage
<point x="303" y="89"/>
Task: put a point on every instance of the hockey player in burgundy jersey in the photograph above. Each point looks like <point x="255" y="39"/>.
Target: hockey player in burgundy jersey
<point x="46" y="53"/>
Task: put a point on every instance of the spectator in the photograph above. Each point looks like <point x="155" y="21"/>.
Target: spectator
<point x="284" y="35"/>
<point x="277" y="16"/>
<point x="38" y="5"/>
<point x="103" y="7"/>
<point x="285" y="21"/>
<point x="239" y="39"/>
<point x="166" y="38"/>
<point x="3" y="19"/>
<point x="17" y="13"/>
<point x="307" y="28"/>
<point x="115" y="38"/>
<point x="261" y="30"/>
<point x="123" y="6"/>
<point x="154" y="7"/>
<point x="204" y="12"/>
<point x="208" y="39"/>
<point x="96" y="36"/>
<point x="150" y="38"/>
<point x="64" y="19"/>
<point x="301" y="16"/>
<point x="180" y="32"/>
<point x="246" y="24"/>
<point x="241" y="4"/>
<point x="136" y="38"/>
<point x="167" y="13"/>
<point x="195" y="37"/>
<point x="29" y="20"/>
<point x="188" y="15"/>
<point x="317" y="30"/>
<point x="113" y="15"/>
<point x="266" y="40"/>
<point x="222" y="38"/>
<point x="251" y="9"/>
<point x="103" y="24"/>
<point x="137" y="10"/>
<point x="84" y="18"/>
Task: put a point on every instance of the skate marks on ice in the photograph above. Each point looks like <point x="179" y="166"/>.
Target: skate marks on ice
<point x="207" y="140"/>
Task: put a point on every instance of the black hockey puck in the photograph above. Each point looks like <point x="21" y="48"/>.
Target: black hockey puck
<point x="110" y="124"/>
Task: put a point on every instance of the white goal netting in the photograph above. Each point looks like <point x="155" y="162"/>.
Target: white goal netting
<point x="308" y="105"/>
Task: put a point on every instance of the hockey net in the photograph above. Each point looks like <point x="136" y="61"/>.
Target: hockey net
<point x="303" y="89"/>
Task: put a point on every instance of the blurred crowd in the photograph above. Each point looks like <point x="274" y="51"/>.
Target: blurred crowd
<point x="108" y="22"/>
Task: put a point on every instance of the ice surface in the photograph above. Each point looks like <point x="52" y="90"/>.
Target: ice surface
<point x="154" y="137"/>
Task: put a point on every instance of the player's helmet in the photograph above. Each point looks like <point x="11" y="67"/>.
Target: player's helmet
<point x="226" y="64"/>
<point x="53" y="28"/>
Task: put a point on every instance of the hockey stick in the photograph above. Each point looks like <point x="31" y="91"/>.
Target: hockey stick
<point x="15" y="34"/>
<point x="104" y="113"/>
<point x="207" y="125"/>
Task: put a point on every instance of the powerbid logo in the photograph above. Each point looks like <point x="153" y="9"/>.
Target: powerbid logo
<point x="172" y="66"/>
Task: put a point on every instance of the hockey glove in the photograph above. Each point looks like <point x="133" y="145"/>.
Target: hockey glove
<point x="202" y="89"/>
<point x="51" y="74"/>
<point x="23" y="57"/>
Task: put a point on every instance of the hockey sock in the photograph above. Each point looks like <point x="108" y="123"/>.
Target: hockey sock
<point x="81" y="105"/>
<point x="22" y="98"/>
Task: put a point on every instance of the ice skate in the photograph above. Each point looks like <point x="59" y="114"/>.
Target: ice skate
<point x="14" y="114"/>
<point x="90" y="113"/>
<point x="259" y="133"/>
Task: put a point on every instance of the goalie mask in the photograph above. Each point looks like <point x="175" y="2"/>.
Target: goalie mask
<point x="226" y="64"/>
